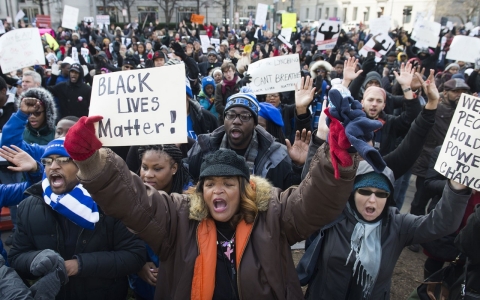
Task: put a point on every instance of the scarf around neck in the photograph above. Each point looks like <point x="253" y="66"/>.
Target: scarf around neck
<point x="229" y="83"/>
<point x="250" y="154"/>
<point x="76" y="205"/>
<point x="366" y="243"/>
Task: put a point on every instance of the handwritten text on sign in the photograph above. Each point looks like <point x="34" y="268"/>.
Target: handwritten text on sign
<point x="459" y="158"/>
<point x="275" y="74"/>
<point x="21" y="48"/>
<point x="140" y="107"/>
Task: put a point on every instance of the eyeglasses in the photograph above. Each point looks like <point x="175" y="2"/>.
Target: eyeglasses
<point x="62" y="160"/>
<point x="365" y="192"/>
<point x="319" y="71"/>
<point x="273" y="96"/>
<point x="232" y="116"/>
<point x="37" y="113"/>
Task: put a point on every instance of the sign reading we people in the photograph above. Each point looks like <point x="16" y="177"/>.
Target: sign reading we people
<point x="459" y="158"/>
<point x="140" y="107"/>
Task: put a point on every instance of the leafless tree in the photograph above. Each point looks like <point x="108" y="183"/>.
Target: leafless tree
<point x="124" y="4"/>
<point x="465" y="10"/>
<point x="168" y="7"/>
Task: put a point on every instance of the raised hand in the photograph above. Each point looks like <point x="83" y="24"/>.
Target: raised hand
<point x="298" y="152"/>
<point x="349" y="67"/>
<point x="430" y="90"/>
<point x="405" y="76"/>
<point x="81" y="141"/>
<point x="20" y="158"/>
<point x="304" y="94"/>
<point x="29" y="105"/>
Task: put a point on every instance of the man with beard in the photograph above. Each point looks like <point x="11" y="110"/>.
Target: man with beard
<point x="73" y="95"/>
<point x="445" y="111"/>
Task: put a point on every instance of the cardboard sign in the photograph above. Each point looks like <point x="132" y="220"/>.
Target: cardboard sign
<point x="380" y="44"/>
<point x="327" y="34"/>
<point x="464" y="48"/>
<point x="21" y="48"/>
<point x="205" y="41"/>
<point x="425" y="33"/>
<point x="380" y="25"/>
<point x="103" y="19"/>
<point x="70" y="17"/>
<point x="459" y="158"/>
<point x="44" y="21"/>
<point x="289" y="20"/>
<point x="197" y="19"/>
<point x="140" y="107"/>
<point x="19" y="16"/>
<point x="286" y="34"/>
<point x="275" y="74"/>
<point x="261" y="15"/>
<point x="215" y="42"/>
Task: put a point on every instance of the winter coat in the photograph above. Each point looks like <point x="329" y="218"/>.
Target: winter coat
<point x="272" y="161"/>
<point x="221" y="98"/>
<point x="11" y="285"/>
<point x="203" y="120"/>
<point x="106" y="254"/>
<point x="442" y="121"/>
<point x="73" y="98"/>
<point x="335" y="272"/>
<point x="7" y="110"/>
<point x="179" y="229"/>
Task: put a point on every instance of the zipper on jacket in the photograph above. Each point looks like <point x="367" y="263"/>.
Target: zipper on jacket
<point x="240" y="261"/>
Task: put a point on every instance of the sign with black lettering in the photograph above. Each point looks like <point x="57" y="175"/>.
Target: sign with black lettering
<point x="275" y="74"/>
<point x="459" y="157"/>
<point x="141" y="107"/>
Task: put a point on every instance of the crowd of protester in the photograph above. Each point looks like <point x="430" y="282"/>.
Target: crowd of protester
<point x="328" y="162"/>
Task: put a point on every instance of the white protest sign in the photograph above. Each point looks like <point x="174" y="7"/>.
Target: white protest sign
<point x="261" y="15"/>
<point x="379" y="43"/>
<point x="425" y="33"/>
<point x="459" y="158"/>
<point x="450" y="25"/>
<point x="2" y="28"/>
<point x="327" y="34"/>
<point x="87" y="20"/>
<point x="205" y="41"/>
<point x="70" y="17"/>
<point x="286" y="33"/>
<point x="9" y="19"/>
<point x="275" y="74"/>
<point x="464" y="48"/>
<point x="19" y="15"/>
<point x="140" y="107"/>
<point x="103" y="19"/>
<point x="380" y="25"/>
<point x="469" y="26"/>
<point x="215" y="42"/>
<point x="21" y="48"/>
<point x="475" y="31"/>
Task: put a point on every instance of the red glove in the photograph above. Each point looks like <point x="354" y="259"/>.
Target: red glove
<point x="339" y="144"/>
<point x="80" y="141"/>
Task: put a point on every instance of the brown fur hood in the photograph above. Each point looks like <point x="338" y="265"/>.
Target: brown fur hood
<point x="199" y="210"/>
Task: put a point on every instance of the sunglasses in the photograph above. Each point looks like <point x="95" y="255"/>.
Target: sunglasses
<point x="62" y="160"/>
<point x="37" y="113"/>
<point x="365" y="192"/>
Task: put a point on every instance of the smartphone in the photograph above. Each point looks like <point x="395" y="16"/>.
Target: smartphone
<point x="371" y="54"/>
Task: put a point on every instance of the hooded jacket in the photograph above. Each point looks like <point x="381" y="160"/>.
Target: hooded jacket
<point x="73" y="98"/>
<point x="208" y="101"/>
<point x="46" y="133"/>
<point x="180" y="231"/>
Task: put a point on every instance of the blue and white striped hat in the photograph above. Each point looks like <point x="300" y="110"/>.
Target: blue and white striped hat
<point x="245" y="98"/>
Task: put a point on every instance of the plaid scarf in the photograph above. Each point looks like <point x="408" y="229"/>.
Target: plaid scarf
<point x="250" y="154"/>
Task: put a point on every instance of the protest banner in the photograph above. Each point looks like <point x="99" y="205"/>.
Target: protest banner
<point x="21" y="48"/>
<point x="198" y="19"/>
<point x="379" y="43"/>
<point x="275" y="74"/>
<point x="464" y="48"/>
<point x="103" y="19"/>
<point x="140" y="107"/>
<point x="380" y="25"/>
<point x="205" y="41"/>
<point x="88" y="21"/>
<point x="289" y="20"/>
<point x="327" y="34"/>
<point x="19" y="16"/>
<point x="425" y="33"/>
<point x="459" y="158"/>
<point x="215" y="42"/>
<point x="261" y="15"/>
<point x="44" y="21"/>
<point x="70" y="17"/>
<point x="286" y="34"/>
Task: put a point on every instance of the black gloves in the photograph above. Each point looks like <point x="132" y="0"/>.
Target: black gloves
<point x="318" y="84"/>
<point x="178" y="51"/>
<point x="368" y="65"/>
<point x="246" y="79"/>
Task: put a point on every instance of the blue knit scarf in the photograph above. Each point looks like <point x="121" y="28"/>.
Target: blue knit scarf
<point x="76" y="205"/>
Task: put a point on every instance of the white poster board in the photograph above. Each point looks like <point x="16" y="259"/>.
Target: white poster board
<point x="140" y="107"/>
<point x="261" y="15"/>
<point x="469" y="26"/>
<point x="88" y="19"/>
<point x="21" y="48"/>
<point x="286" y="34"/>
<point x="103" y="19"/>
<point x="327" y="34"/>
<point x="380" y="25"/>
<point x="380" y="44"/>
<point x="19" y="16"/>
<point x="215" y="42"/>
<point x="275" y="74"/>
<point x="205" y="41"/>
<point x="464" y="48"/>
<point x="70" y="17"/>
<point x="2" y="28"/>
<point x="459" y="158"/>
<point x="425" y="33"/>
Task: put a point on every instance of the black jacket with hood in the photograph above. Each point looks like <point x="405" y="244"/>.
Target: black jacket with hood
<point x="73" y="98"/>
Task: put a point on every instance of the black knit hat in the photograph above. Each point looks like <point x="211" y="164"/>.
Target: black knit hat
<point x="224" y="162"/>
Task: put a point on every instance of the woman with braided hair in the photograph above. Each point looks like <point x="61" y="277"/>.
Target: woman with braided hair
<point x="162" y="168"/>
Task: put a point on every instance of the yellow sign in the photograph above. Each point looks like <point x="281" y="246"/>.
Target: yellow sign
<point x="289" y="20"/>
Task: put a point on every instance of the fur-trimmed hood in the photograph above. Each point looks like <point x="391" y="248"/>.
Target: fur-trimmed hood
<point x="199" y="210"/>
<point x="320" y="64"/>
<point x="47" y="99"/>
